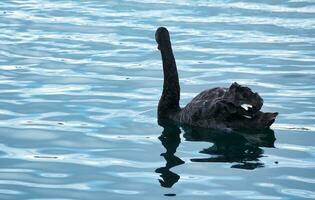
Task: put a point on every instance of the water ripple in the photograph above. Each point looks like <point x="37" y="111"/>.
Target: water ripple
<point x="80" y="82"/>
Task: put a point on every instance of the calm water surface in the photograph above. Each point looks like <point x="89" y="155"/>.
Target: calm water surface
<point x="80" y="82"/>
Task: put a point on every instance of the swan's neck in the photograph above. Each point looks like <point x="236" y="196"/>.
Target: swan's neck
<point x="169" y="102"/>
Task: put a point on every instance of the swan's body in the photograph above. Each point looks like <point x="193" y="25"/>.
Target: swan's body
<point x="219" y="108"/>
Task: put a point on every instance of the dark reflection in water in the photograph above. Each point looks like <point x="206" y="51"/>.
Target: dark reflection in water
<point x="242" y="147"/>
<point x="170" y="139"/>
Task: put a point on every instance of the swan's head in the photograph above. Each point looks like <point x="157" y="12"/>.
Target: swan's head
<point x="162" y="37"/>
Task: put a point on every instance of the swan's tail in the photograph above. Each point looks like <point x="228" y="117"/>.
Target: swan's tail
<point x="264" y="120"/>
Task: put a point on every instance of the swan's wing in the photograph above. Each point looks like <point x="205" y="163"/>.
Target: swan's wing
<point x="225" y="105"/>
<point x="224" y="102"/>
<point x="210" y="94"/>
<point x="204" y="109"/>
<point x="204" y="105"/>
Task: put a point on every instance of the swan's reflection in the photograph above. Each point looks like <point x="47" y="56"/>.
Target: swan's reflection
<point x="242" y="148"/>
<point x="170" y="139"/>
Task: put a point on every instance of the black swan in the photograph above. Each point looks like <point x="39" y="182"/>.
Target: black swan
<point x="236" y="107"/>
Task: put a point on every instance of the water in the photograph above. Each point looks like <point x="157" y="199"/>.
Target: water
<point x="80" y="83"/>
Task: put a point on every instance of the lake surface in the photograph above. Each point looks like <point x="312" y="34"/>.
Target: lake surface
<point x="80" y="82"/>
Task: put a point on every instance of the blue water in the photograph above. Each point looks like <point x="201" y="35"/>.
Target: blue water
<point x="80" y="82"/>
